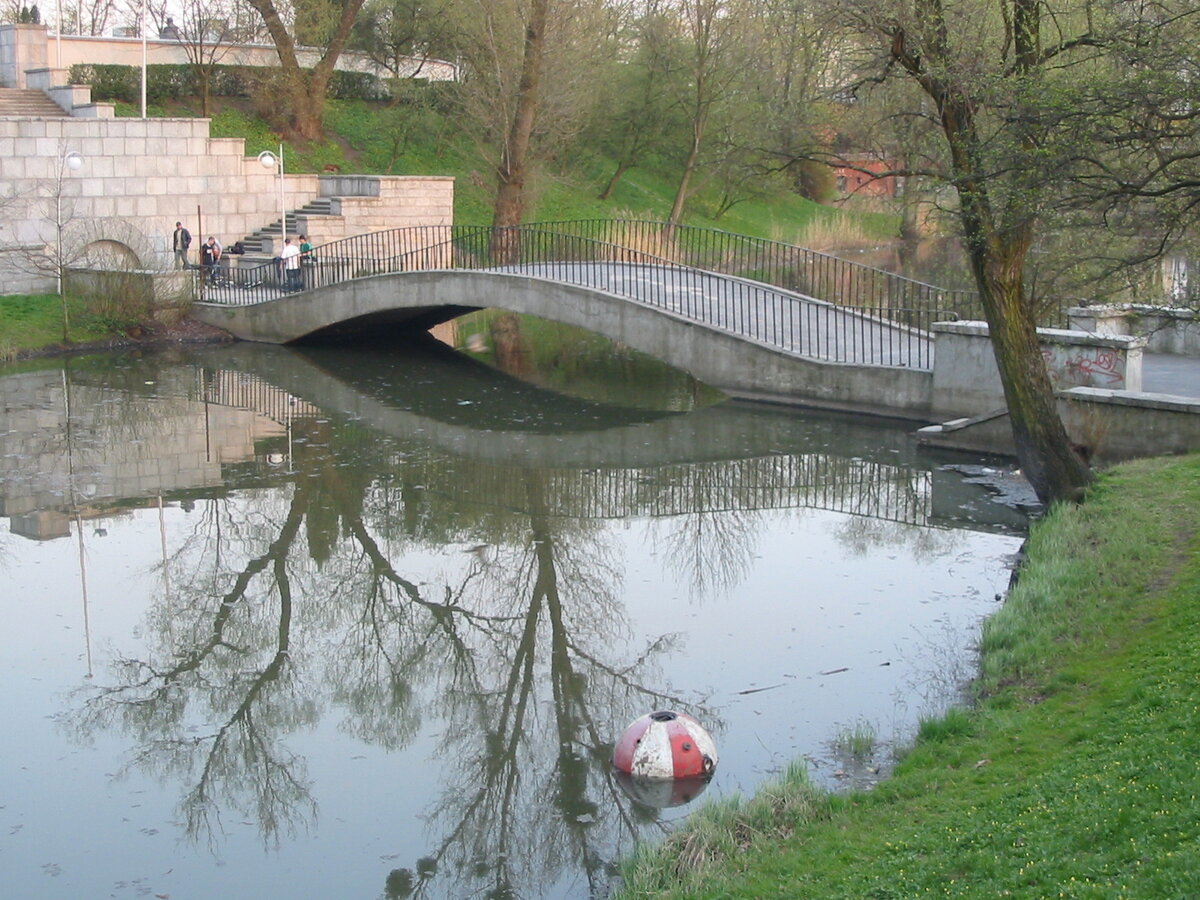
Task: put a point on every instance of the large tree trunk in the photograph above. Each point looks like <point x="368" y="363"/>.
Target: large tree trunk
<point x="306" y="89"/>
<point x="685" y="180"/>
<point x="509" y="207"/>
<point x="1048" y="459"/>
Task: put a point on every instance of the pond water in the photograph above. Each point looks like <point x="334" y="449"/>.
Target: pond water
<point x="367" y="623"/>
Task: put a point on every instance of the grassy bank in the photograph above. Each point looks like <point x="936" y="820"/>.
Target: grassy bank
<point x="34" y="322"/>
<point x="1075" y="775"/>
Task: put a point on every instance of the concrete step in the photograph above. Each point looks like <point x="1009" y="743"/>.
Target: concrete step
<point x="29" y="102"/>
<point x="263" y="240"/>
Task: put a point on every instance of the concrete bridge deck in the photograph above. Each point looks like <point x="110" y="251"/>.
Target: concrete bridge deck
<point x="1164" y="373"/>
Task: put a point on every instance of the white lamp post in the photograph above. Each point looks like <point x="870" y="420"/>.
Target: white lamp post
<point x="269" y="160"/>
<point x="72" y="160"/>
<point x="143" y="31"/>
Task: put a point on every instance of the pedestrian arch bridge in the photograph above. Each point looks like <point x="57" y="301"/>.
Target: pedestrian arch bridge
<point x="754" y="318"/>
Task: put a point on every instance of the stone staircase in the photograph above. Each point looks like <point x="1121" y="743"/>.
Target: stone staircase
<point x="29" y="102"/>
<point x="263" y="241"/>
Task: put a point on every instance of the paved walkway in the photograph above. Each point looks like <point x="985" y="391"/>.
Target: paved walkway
<point x="1163" y="374"/>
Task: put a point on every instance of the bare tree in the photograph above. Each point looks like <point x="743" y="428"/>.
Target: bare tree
<point x="527" y="65"/>
<point x="207" y="31"/>
<point x="719" y="53"/>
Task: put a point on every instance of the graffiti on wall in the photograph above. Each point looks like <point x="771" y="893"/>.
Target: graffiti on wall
<point x="1085" y="366"/>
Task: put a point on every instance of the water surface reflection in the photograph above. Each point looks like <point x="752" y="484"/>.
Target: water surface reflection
<point x="367" y="625"/>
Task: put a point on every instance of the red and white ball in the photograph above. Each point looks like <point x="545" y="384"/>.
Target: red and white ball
<point x="666" y="745"/>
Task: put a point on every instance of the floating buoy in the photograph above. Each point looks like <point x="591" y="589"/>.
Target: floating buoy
<point x="658" y="793"/>
<point x="666" y="745"/>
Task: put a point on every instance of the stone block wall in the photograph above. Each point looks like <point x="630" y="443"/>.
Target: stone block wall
<point x="424" y="200"/>
<point x="140" y="176"/>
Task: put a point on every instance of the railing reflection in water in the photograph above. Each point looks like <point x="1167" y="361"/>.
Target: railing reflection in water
<point x="786" y="481"/>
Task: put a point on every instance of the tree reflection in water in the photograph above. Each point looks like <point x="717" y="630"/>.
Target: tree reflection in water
<point x="288" y="602"/>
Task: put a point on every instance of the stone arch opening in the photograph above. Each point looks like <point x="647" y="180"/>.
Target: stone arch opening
<point x="110" y="255"/>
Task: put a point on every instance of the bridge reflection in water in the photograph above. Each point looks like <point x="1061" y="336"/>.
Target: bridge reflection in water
<point x="208" y="421"/>
<point x="392" y="631"/>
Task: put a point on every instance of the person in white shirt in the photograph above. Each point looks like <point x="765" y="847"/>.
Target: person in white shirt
<point x="290" y="257"/>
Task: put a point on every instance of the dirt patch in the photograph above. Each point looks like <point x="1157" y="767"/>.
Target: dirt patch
<point x="148" y="335"/>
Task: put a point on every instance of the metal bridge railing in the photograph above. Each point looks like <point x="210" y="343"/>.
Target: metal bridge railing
<point x="798" y="300"/>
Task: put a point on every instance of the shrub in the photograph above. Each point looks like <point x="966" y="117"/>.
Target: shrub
<point x="176" y="82"/>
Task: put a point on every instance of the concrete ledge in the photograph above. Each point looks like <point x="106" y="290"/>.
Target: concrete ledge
<point x="69" y="96"/>
<point x="1171" y="330"/>
<point x="1116" y="426"/>
<point x="94" y="111"/>
<point x="966" y="378"/>
<point x="46" y="78"/>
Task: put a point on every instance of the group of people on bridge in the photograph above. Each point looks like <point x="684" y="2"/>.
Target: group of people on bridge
<point x="289" y="263"/>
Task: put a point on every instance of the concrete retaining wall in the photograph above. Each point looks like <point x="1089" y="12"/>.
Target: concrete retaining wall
<point x="22" y="47"/>
<point x="32" y="46"/>
<point x="1120" y="425"/>
<point x="966" y="380"/>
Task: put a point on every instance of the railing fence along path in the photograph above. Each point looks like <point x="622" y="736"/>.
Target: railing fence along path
<point x="789" y="297"/>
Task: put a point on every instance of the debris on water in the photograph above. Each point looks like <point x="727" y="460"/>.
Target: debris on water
<point x="835" y="671"/>
<point x="769" y="687"/>
<point x="1008" y="485"/>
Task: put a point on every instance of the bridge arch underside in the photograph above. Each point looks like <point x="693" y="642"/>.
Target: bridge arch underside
<point x="736" y="365"/>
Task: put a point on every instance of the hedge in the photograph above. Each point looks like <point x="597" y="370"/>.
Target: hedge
<point x="176" y="82"/>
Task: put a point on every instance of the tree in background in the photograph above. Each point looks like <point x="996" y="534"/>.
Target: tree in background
<point x="637" y="114"/>
<point x="207" y="30"/>
<point x="1013" y="91"/>
<point x="527" y="72"/>
<point x="802" y="57"/>
<point x="719" y="35"/>
<point x="90" y="17"/>
<point x="399" y="36"/>
<point x="316" y="23"/>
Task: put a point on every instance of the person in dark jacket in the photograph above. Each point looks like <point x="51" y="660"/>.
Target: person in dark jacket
<point x="181" y="240"/>
<point x="210" y="259"/>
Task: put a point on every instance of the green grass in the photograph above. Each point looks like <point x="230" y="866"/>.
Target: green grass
<point x="36" y="321"/>
<point x="1075" y="774"/>
<point x="374" y="138"/>
<point x="855" y="742"/>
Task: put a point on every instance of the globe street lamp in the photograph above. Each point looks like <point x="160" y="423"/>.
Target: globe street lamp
<point x="269" y="160"/>
<point x="71" y="161"/>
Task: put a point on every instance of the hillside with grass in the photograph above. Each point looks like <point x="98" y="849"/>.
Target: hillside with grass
<point x="365" y="137"/>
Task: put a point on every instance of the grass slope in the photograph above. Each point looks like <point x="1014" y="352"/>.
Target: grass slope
<point x="376" y="138"/>
<point x="1075" y="775"/>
